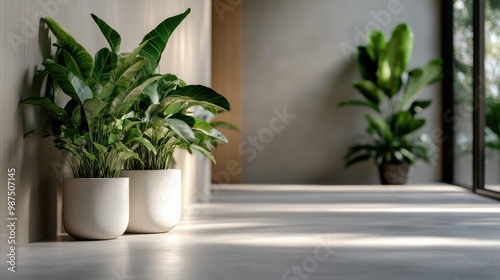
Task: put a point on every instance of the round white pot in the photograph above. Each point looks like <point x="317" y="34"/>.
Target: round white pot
<point x="95" y="208"/>
<point x="155" y="200"/>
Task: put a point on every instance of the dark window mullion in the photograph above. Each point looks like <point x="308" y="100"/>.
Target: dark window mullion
<point x="478" y="100"/>
<point x="448" y="94"/>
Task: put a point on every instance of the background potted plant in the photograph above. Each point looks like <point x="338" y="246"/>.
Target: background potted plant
<point x="390" y="91"/>
<point x="162" y="117"/>
<point x="92" y="131"/>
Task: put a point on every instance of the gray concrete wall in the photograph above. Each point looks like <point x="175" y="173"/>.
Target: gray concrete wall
<point x="23" y="47"/>
<point x="296" y="56"/>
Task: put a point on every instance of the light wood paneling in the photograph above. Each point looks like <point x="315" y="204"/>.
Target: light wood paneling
<point x="227" y="80"/>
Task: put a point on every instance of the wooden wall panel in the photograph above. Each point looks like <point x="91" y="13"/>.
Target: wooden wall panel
<point x="227" y="79"/>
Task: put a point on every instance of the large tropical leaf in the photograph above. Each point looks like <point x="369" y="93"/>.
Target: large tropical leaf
<point x="114" y="39"/>
<point x="204" y="151"/>
<point x="67" y="42"/>
<point x="419" y="105"/>
<point x="71" y="63"/>
<point x="69" y="83"/>
<point x="123" y="101"/>
<point x="406" y="123"/>
<point x="81" y="57"/>
<point x="62" y="36"/>
<point x="150" y="94"/>
<point x="399" y="51"/>
<point x="189" y="120"/>
<point x="205" y="96"/>
<point x="105" y="62"/>
<point x="121" y="78"/>
<point x="157" y="40"/>
<point x="46" y="103"/>
<point x="94" y="110"/>
<point x="420" y="78"/>
<point x="376" y="44"/>
<point x="181" y="129"/>
<point x="384" y="74"/>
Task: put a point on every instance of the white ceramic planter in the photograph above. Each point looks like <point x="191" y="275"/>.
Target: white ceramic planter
<point x="96" y="208"/>
<point x="155" y="200"/>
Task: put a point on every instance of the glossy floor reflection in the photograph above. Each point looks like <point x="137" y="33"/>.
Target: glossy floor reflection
<point x="295" y="232"/>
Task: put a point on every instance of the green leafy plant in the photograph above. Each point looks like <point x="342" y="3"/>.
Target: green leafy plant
<point x="391" y="92"/>
<point x="206" y="116"/>
<point x="165" y="117"/>
<point x="162" y="114"/>
<point x="92" y="128"/>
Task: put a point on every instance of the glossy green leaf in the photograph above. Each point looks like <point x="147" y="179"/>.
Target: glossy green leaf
<point x="65" y="41"/>
<point x="206" y="96"/>
<point x="182" y="129"/>
<point x="399" y="51"/>
<point x="71" y="63"/>
<point x="204" y="151"/>
<point x="158" y="39"/>
<point x="121" y="78"/>
<point x="105" y="62"/>
<point x="46" y="103"/>
<point x="376" y="44"/>
<point x="94" y="109"/>
<point x="419" y="105"/>
<point x="406" y="123"/>
<point x="123" y="102"/>
<point x="114" y="39"/>
<point x="189" y="120"/>
<point x="150" y="94"/>
<point x="419" y="79"/>
<point x="70" y="84"/>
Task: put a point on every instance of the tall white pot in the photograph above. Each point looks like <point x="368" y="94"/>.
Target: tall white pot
<point x="155" y="200"/>
<point x="95" y="208"/>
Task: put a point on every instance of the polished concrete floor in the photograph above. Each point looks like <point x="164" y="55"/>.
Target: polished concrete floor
<point x="295" y="232"/>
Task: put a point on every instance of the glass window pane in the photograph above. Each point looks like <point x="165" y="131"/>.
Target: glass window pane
<point x="492" y="92"/>
<point x="463" y="91"/>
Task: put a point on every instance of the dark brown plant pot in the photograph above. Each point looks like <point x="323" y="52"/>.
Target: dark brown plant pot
<point x="393" y="173"/>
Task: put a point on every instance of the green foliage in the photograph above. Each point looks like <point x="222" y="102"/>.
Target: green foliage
<point x="91" y="128"/>
<point x="121" y="111"/>
<point x="390" y="91"/>
<point x="161" y="104"/>
<point x="164" y="113"/>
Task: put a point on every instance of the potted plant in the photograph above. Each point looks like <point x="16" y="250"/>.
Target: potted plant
<point x="390" y="92"/>
<point x="162" y="116"/>
<point x="92" y="129"/>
